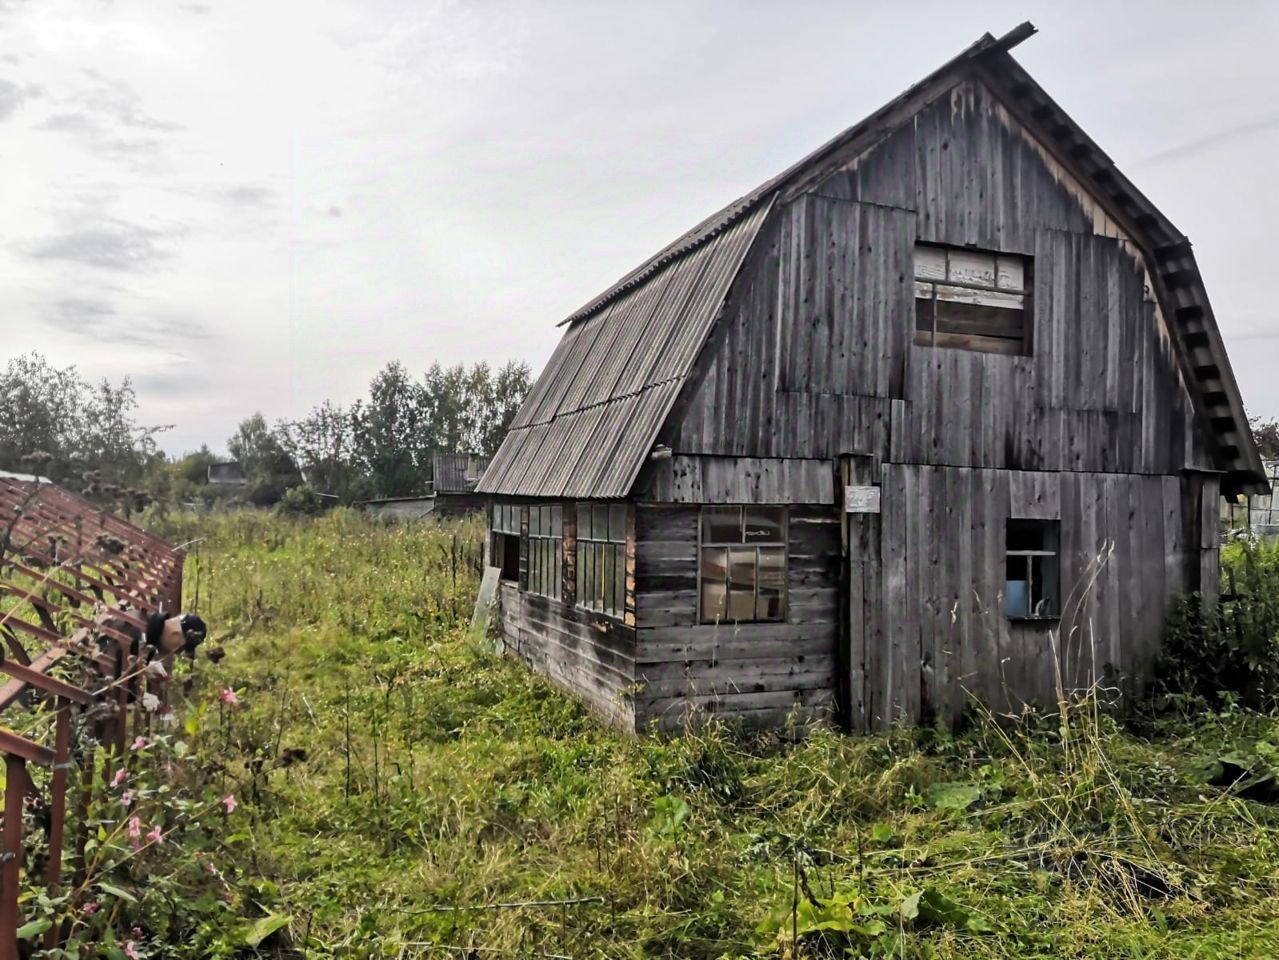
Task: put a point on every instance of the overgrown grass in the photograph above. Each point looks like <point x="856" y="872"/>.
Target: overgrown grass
<point x="405" y="784"/>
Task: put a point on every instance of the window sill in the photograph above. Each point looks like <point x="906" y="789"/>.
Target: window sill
<point x="739" y="623"/>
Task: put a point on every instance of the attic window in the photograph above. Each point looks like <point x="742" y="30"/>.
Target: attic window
<point x="972" y="299"/>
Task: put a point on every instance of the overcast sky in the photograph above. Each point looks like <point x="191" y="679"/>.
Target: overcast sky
<point x="255" y="205"/>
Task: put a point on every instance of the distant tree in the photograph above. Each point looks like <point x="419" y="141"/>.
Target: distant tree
<point x="264" y="460"/>
<point x="85" y="436"/>
<point x="322" y="444"/>
<point x="391" y="433"/>
<point x="1266" y="433"/>
<point x="504" y="393"/>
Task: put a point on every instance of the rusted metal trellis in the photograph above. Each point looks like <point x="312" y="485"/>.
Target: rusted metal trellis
<point x="77" y="585"/>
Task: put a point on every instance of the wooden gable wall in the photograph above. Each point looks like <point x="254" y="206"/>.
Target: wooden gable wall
<point x="815" y="356"/>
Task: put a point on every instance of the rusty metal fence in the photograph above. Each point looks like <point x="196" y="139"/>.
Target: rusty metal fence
<point x="77" y="585"/>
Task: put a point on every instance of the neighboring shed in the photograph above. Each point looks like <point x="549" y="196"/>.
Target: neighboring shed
<point x="1258" y="514"/>
<point x="450" y="494"/>
<point x="938" y="410"/>
<point x="229" y="473"/>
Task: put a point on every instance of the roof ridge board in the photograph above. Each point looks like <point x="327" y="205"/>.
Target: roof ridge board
<point x="725" y="216"/>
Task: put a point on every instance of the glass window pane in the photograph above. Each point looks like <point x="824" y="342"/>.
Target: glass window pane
<point x="598" y="589"/>
<point x="714" y="579"/>
<point x="559" y="569"/>
<point x="579" y="571"/>
<point x="741" y="584"/>
<point x="557" y="520"/>
<point x="606" y="595"/>
<point x="1043" y="586"/>
<point x="617" y="522"/>
<point x="588" y="576"/>
<point x="763" y="525"/>
<point x="619" y="589"/>
<point x="721" y="524"/>
<point x="599" y="520"/>
<point x="583" y="521"/>
<point x="772" y="583"/>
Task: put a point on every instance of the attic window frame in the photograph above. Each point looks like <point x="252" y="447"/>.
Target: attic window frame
<point x="967" y="328"/>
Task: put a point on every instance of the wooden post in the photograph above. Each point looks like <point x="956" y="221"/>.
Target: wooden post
<point x="15" y="793"/>
<point x="58" y="813"/>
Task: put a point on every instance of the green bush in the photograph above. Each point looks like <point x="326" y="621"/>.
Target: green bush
<point x="1214" y="653"/>
<point x="301" y="502"/>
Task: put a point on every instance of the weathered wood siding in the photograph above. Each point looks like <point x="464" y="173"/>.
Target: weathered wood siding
<point x="1128" y="545"/>
<point x="758" y="673"/>
<point x="814" y="356"/>
<point x="588" y="655"/>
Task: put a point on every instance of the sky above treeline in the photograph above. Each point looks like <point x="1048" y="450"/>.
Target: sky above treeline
<point x="256" y="205"/>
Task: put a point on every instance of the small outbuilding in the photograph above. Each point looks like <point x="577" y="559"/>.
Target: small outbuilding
<point x="940" y="412"/>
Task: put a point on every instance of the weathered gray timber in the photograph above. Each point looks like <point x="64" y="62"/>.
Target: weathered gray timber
<point x="939" y="414"/>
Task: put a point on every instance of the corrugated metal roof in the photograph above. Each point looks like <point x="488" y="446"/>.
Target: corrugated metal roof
<point x="593" y="415"/>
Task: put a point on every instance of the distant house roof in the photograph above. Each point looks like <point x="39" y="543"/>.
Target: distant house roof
<point x="229" y="472"/>
<point x="596" y="410"/>
<point x="457" y="472"/>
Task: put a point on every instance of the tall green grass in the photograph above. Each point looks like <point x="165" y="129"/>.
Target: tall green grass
<point x="412" y="795"/>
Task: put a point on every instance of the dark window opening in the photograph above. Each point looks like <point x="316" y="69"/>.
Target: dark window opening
<point x="1032" y="577"/>
<point x="972" y="300"/>
<point x="504" y="521"/>
<point x="742" y="575"/>
<point x="601" y="558"/>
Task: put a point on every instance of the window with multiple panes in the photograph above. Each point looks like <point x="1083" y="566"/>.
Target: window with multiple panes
<point x="1032" y="582"/>
<point x="505" y="547"/>
<point x="972" y="299"/>
<point x="546" y="550"/>
<point x="743" y="564"/>
<point x="601" y="558"/>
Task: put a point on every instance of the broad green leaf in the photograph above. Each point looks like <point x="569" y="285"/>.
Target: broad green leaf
<point x="34" y="928"/>
<point x="953" y="795"/>
<point x="124" y="895"/>
<point x="910" y="906"/>
<point x="257" y="931"/>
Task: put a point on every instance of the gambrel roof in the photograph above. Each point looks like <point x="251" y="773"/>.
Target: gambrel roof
<point x="595" y="412"/>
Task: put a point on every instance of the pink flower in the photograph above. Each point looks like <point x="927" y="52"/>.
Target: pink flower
<point x="90" y="908"/>
<point x="212" y="869"/>
<point x="127" y="797"/>
<point x="136" y="933"/>
<point x="156" y="835"/>
<point x="141" y="743"/>
<point x="228" y="696"/>
<point x="121" y="775"/>
<point x="135" y="827"/>
<point x="131" y="950"/>
<point x="229" y="802"/>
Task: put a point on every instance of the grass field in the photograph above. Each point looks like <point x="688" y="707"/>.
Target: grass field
<point x="409" y="794"/>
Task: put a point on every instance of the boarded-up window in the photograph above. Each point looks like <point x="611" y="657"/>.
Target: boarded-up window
<point x="546" y="550"/>
<point x="972" y="300"/>
<point x="743" y="564"/>
<point x="601" y="558"/>
<point x="1032" y="582"/>
<point x="504" y="522"/>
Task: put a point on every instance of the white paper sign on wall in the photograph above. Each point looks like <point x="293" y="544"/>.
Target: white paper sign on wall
<point x="861" y="499"/>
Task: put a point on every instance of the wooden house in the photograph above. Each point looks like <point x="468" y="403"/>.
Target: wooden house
<point x="934" y="413"/>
